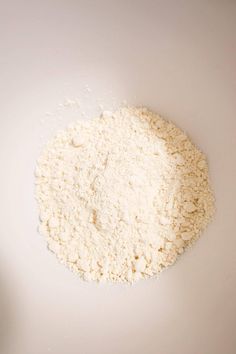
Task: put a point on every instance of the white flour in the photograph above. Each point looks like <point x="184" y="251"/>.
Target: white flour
<point x="121" y="196"/>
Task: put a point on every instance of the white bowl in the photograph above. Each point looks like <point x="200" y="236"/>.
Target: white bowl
<point x="176" y="57"/>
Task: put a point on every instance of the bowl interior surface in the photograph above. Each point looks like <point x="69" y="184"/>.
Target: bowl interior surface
<point x="175" y="57"/>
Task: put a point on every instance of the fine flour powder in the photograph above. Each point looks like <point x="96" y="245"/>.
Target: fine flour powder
<point x="122" y="196"/>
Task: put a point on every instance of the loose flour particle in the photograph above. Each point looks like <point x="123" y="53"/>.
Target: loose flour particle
<point x="189" y="206"/>
<point x="53" y="222"/>
<point x="186" y="236"/>
<point x="140" y="265"/>
<point x="78" y="141"/>
<point x="121" y="196"/>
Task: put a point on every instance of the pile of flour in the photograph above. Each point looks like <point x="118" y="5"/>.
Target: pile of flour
<point x="121" y="196"/>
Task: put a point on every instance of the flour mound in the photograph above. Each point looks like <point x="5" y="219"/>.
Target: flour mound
<point x="121" y="196"/>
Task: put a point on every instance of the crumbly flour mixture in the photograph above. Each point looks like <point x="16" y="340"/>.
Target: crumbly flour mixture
<point x="122" y="196"/>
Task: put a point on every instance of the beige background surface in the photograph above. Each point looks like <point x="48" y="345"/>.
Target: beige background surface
<point x="177" y="57"/>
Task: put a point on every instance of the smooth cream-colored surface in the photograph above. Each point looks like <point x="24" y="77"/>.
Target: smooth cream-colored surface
<point x="178" y="58"/>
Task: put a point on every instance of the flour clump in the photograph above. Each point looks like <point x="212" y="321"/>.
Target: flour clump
<point x="121" y="196"/>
